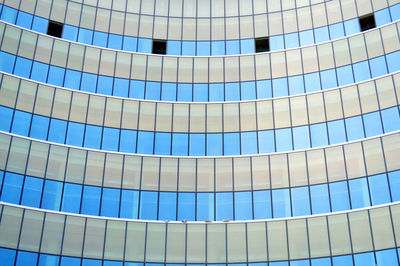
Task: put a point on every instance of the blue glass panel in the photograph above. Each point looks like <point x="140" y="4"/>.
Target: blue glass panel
<point x="276" y="43"/>
<point x="110" y="202"/>
<point x="321" y="34"/>
<point x="114" y="41"/>
<point x="100" y="39"/>
<point x="162" y="144"/>
<point x="382" y="17"/>
<point x="300" y="201"/>
<point x="359" y="195"/>
<point x="281" y="203"/>
<point x="129" y="204"/>
<point x="224" y="206"/>
<point x="312" y="82"/>
<point x="336" y="30"/>
<point x="296" y="85"/>
<point x="89" y="82"/>
<point x="248" y="90"/>
<point x="214" y="144"/>
<point x="173" y="47"/>
<point x="321" y="262"/>
<point x="7" y="256"/>
<point x="52" y="195"/>
<point x="232" y="92"/>
<point x="247" y="46"/>
<point x="266" y="141"/>
<point x="197" y="144"/>
<point x="24" y="20"/>
<point x="168" y="91"/>
<point x="136" y="89"/>
<point x="387" y="257"/>
<point x="153" y="90"/>
<point x="188" y="48"/>
<point x="203" y="48"/>
<point x="328" y="79"/>
<point x="180" y="144"/>
<point x="75" y="134"/>
<point x="361" y="71"/>
<point x="92" y="137"/>
<point x="364" y="259"/>
<point x="26" y="258"/>
<point x="9" y="14"/>
<point x="378" y="185"/>
<point x="394" y="181"/>
<point x="144" y="45"/>
<point x="72" y="79"/>
<point x="91" y="200"/>
<point x="7" y="62"/>
<point x="231" y="144"/>
<point x="5" y="118"/>
<point x="306" y="37"/>
<point x="284" y="139"/>
<point x="342" y="260"/>
<point x="70" y="32"/>
<point x="345" y="75"/>
<point x="301" y="137"/>
<point x="243" y="206"/>
<point x="264" y="89"/>
<point x="217" y="47"/>
<point x="90" y="262"/>
<point x="32" y="191"/>
<point x="319" y="135"/>
<point x="71" y="201"/>
<point x="279" y="263"/>
<point x="69" y="261"/>
<point x="145" y="142"/>
<point x="186" y="206"/>
<point x="391" y="119"/>
<point x="216" y="91"/>
<point x="351" y="26"/>
<point x="292" y="40"/>
<point x="57" y="130"/>
<point x="129" y="44"/>
<point x="393" y="61"/>
<point x="110" y="139"/>
<point x="21" y="123"/>
<point x="85" y="36"/>
<point x="299" y="263"/>
<point x="200" y="92"/>
<point x="112" y="263"/>
<point x="354" y="128"/>
<point x="378" y="66"/>
<point x="280" y="87"/>
<point x="205" y="206"/>
<point x="22" y="67"/>
<point x="12" y="188"/>
<point x="262" y="204"/>
<point x="39" y="24"/>
<point x="105" y="85"/>
<point x="232" y="47"/>
<point x="167" y="206"/>
<point x="339" y="196"/>
<point x="320" y="199"/>
<point x="39" y="71"/>
<point x="249" y="142"/>
<point x="121" y="87"/>
<point x="395" y="12"/>
<point x="336" y="132"/>
<point x="56" y="76"/>
<point x="148" y="205"/>
<point x="184" y="92"/>
<point x="372" y="124"/>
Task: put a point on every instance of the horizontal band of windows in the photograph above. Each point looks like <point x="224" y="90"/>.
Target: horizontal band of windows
<point x="201" y="206"/>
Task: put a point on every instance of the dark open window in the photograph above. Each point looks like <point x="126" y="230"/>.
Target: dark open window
<point x="159" y="47"/>
<point x="367" y="22"/>
<point x="55" y="29"/>
<point x="262" y="45"/>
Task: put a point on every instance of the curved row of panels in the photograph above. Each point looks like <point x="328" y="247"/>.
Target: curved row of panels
<point x="312" y="237"/>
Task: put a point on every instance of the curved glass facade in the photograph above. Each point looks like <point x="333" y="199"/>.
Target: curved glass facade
<point x="200" y="132"/>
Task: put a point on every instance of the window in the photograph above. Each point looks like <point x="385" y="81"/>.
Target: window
<point x="262" y="45"/>
<point x="159" y="47"/>
<point x="55" y="29"/>
<point x="367" y="22"/>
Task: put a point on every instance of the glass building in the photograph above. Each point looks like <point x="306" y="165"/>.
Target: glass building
<point x="194" y="132"/>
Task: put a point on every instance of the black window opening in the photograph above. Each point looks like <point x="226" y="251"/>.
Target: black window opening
<point x="367" y="22"/>
<point x="55" y="29"/>
<point x="262" y="45"/>
<point x="159" y="47"/>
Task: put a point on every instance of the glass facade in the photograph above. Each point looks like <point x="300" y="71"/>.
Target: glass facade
<point x="219" y="152"/>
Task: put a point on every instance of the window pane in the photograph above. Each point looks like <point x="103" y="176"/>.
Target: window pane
<point x="339" y="196"/>
<point x="379" y="189"/>
<point x="91" y="200"/>
<point x="359" y="194"/>
<point x="281" y="203"/>
<point x="110" y="202"/>
<point x="243" y="206"/>
<point x="186" y="206"/>
<point x="205" y="206"/>
<point x="32" y="191"/>
<point x="320" y="199"/>
<point x="167" y="206"/>
<point x="262" y="204"/>
<point x="52" y="195"/>
<point x="300" y="201"/>
<point x="71" y="201"/>
<point x="224" y="206"/>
